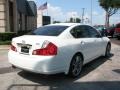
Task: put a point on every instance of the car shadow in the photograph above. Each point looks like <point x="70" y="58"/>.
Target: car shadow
<point x="103" y="85"/>
<point x="117" y="71"/>
<point x="86" y="69"/>
<point x="115" y="41"/>
<point x="94" y="64"/>
<point x="62" y="82"/>
<point x="5" y="70"/>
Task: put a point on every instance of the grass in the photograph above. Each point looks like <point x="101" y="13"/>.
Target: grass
<point x="5" y="42"/>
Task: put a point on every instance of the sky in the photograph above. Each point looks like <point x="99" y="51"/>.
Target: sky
<point x="62" y="10"/>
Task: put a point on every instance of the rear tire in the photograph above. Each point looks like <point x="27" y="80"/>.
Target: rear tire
<point x="108" y="49"/>
<point x="76" y="66"/>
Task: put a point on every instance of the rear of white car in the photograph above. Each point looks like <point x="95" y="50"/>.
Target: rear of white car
<point x="36" y="53"/>
<point x="51" y="52"/>
<point x="43" y="56"/>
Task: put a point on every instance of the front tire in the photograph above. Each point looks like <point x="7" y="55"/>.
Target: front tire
<point x="76" y="66"/>
<point x="108" y="49"/>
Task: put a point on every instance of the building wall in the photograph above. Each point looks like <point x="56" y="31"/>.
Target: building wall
<point x="14" y="23"/>
<point x="2" y="16"/>
<point x="39" y="18"/>
<point x="42" y="20"/>
<point x="28" y="22"/>
<point x="33" y="24"/>
<point x="5" y="18"/>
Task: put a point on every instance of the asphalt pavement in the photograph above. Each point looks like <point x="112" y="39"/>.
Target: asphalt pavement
<point x="100" y="74"/>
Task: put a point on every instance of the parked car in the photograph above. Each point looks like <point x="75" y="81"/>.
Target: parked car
<point x="102" y="30"/>
<point x="110" y="31"/>
<point x="57" y="48"/>
<point x="117" y="31"/>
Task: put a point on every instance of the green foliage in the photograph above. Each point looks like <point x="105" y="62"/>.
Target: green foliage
<point x="106" y="4"/>
<point x="71" y="20"/>
<point x="111" y="7"/>
<point x="5" y="42"/>
<point x="7" y="36"/>
<point x="56" y="21"/>
<point x="78" y="20"/>
<point x="75" y="20"/>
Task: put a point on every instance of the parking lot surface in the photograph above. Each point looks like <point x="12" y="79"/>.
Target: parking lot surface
<point x="100" y="74"/>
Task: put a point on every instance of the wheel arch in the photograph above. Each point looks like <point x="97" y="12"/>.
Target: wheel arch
<point x="79" y="54"/>
<point x="67" y="71"/>
<point x="109" y="43"/>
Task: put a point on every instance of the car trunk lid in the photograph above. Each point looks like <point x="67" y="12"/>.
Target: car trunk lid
<point x="27" y="43"/>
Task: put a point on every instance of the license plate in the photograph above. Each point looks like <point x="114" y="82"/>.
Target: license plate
<point x="24" y="49"/>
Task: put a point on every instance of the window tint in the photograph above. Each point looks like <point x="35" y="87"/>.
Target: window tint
<point x="49" y="30"/>
<point x="93" y="32"/>
<point x="79" y="32"/>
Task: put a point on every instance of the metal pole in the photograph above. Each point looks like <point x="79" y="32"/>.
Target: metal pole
<point x="91" y="12"/>
<point x="47" y="8"/>
<point x="83" y="15"/>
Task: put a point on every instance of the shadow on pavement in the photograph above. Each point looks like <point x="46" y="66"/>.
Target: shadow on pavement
<point x="62" y="82"/>
<point x="94" y="64"/>
<point x="117" y="71"/>
<point x="7" y="70"/>
<point x="115" y="41"/>
<point x="66" y="85"/>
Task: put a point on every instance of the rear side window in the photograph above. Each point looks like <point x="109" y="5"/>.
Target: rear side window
<point x="79" y="32"/>
<point x="49" y="30"/>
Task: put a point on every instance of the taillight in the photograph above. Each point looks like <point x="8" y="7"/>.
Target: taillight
<point x="13" y="48"/>
<point x="47" y="49"/>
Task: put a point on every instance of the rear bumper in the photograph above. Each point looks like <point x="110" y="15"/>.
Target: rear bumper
<point x="36" y="64"/>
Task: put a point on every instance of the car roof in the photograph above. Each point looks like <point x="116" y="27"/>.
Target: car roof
<point x="66" y="24"/>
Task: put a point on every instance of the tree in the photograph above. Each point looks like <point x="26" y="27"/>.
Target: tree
<point x="56" y="22"/>
<point x="75" y="20"/>
<point x="111" y="7"/>
<point x="78" y="20"/>
<point x="71" y="20"/>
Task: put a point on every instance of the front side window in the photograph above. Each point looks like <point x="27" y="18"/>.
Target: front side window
<point x="79" y="32"/>
<point x="92" y="32"/>
<point x="49" y="30"/>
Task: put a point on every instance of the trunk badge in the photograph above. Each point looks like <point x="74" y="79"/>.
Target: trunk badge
<point x="23" y="42"/>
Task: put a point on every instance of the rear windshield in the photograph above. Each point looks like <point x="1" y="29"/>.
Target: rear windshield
<point x="118" y="26"/>
<point x="49" y="30"/>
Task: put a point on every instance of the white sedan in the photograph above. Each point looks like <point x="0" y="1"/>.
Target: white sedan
<point x="58" y="48"/>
